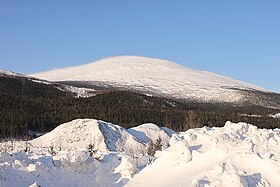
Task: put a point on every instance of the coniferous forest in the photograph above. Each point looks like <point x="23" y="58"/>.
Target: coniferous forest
<point x="27" y="106"/>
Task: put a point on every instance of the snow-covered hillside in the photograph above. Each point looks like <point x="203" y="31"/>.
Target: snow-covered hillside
<point x="239" y="155"/>
<point x="78" y="91"/>
<point x="154" y="76"/>
<point x="7" y="73"/>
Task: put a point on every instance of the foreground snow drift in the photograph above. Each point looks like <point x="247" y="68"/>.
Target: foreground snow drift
<point x="234" y="155"/>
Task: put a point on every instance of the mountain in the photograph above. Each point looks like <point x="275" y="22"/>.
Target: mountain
<point x="30" y="105"/>
<point x="156" y="77"/>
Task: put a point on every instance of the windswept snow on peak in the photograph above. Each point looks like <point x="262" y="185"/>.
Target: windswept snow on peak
<point x="154" y="76"/>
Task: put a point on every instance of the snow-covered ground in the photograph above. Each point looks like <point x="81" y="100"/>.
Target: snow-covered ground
<point x="275" y="115"/>
<point x="234" y="155"/>
<point x="154" y="76"/>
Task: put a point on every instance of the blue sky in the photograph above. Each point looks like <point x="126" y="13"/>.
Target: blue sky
<point x="239" y="39"/>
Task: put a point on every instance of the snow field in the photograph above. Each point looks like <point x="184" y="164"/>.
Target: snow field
<point x="237" y="154"/>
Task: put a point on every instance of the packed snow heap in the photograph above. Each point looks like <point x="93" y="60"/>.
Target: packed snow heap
<point x="88" y="152"/>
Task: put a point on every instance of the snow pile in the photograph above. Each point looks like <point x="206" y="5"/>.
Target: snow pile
<point x="154" y="76"/>
<point x="151" y="132"/>
<point x="235" y="155"/>
<point x="65" y="169"/>
<point x="178" y="152"/>
<point x="78" y="134"/>
<point x="62" y="157"/>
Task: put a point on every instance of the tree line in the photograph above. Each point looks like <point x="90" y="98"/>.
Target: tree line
<point x="30" y="106"/>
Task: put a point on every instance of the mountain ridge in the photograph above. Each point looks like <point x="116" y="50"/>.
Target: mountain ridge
<point x="156" y="77"/>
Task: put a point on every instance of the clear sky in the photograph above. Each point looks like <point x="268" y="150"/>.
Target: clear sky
<point x="237" y="38"/>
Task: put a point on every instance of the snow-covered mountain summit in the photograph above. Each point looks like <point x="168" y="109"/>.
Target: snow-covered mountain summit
<point x="154" y="76"/>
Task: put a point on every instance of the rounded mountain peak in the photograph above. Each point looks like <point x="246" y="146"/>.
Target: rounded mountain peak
<point x="153" y="76"/>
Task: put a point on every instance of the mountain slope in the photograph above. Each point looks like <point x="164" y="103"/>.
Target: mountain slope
<point x="77" y="91"/>
<point x="31" y="104"/>
<point x="155" y="76"/>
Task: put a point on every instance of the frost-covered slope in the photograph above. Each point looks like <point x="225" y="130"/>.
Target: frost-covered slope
<point x="154" y="76"/>
<point x="78" y="91"/>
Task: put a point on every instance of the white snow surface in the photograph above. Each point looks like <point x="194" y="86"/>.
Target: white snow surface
<point x="150" y="132"/>
<point x="237" y="154"/>
<point x="275" y="115"/>
<point x="234" y="155"/>
<point x="154" y="76"/>
<point x="78" y="134"/>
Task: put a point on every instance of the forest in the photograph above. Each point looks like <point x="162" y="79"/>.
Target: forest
<point x="27" y="106"/>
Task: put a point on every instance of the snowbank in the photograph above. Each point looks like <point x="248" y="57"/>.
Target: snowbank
<point x="234" y="155"/>
<point x="78" y="134"/>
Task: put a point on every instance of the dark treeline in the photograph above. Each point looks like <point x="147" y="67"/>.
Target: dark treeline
<point x="26" y="105"/>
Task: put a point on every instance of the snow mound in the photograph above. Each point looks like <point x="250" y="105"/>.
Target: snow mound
<point x="64" y="169"/>
<point x="238" y="154"/>
<point x="154" y="76"/>
<point x="234" y="155"/>
<point x="78" y="134"/>
<point x="178" y="152"/>
<point x="150" y="132"/>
